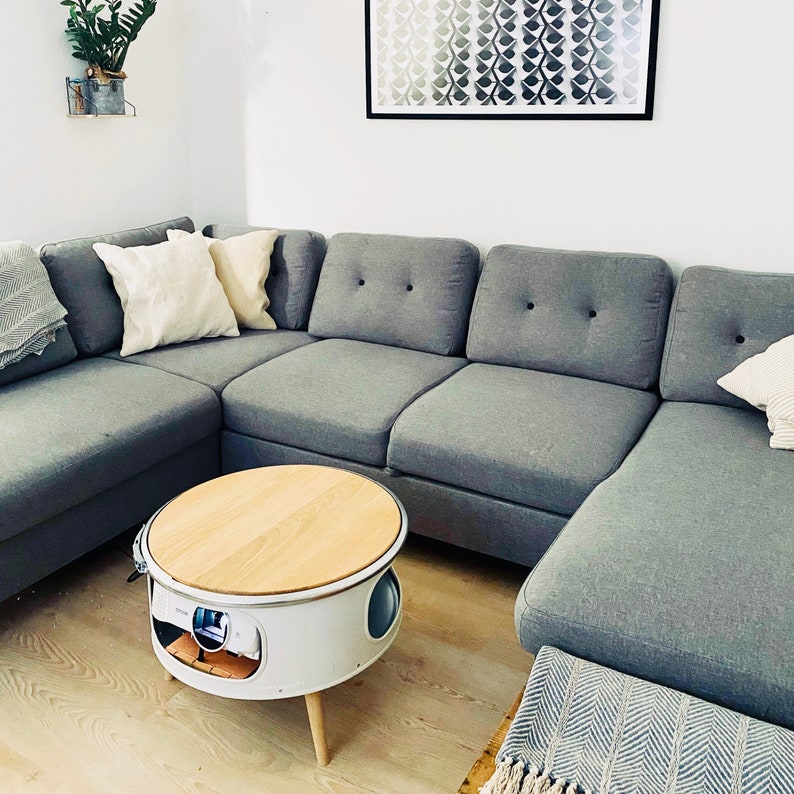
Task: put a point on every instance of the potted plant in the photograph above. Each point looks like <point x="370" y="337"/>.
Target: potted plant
<point x="103" y="42"/>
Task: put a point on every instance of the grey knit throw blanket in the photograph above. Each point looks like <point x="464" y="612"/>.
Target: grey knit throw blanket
<point x="582" y="728"/>
<point x="30" y="314"/>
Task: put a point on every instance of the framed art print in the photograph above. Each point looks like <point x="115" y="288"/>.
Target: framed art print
<point x="543" y="59"/>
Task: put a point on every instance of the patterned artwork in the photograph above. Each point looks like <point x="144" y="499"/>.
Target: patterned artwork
<point x="511" y="58"/>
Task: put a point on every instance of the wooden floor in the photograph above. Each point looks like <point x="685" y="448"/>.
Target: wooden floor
<point x="85" y="706"/>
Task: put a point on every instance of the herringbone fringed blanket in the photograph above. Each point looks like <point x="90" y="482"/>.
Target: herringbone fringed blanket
<point x="29" y="311"/>
<point x="582" y="728"/>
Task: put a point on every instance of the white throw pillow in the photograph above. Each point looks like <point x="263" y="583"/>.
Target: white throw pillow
<point x="241" y="265"/>
<point x="169" y="293"/>
<point x="767" y="381"/>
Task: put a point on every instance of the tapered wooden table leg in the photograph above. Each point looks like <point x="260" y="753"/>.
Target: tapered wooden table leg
<point x="314" y="705"/>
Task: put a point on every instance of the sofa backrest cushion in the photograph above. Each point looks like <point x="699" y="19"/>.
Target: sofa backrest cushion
<point x="412" y="292"/>
<point x="294" y="269"/>
<point x="719" y="318"/>
<point x="85" y="288"/>
<point x="56" y="354"/>
<point x="592" y="315"/>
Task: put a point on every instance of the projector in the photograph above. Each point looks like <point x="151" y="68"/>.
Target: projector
<point x="213" y="629"/>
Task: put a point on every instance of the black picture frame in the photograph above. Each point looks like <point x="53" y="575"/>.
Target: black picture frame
<point x="511" y="59"/>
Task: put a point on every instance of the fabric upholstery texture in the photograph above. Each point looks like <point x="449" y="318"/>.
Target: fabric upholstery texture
<point x="719" y="318"/>
<point x="85" y="288"/>
<point x="218" y="361"/>
<point x="671" y="570"/>
<point x="241" y="265"/>
<point x="169" y="293"/>
<point x="583" y="313"/>
<point x="81" y="429"/>
<point x="406" y="291"/>
<point x="470" y="520"/>
<point x="584" y="727"/>
<point x="536" y="438"/>
<point x="38" y="551"/>
<point x="766" y="381"/>
<point x="56" y="354"/>
<point x="294" y="269"/>
<point x="337" y="396"/>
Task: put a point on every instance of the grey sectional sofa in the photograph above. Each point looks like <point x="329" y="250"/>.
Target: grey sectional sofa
<point x="507" y="404"/>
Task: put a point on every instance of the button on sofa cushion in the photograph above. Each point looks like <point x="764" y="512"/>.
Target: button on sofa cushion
<point x="85" y="288"/>
<point x="671" y="570"/>
<point x="219" y="360"/>
<point x="409" y="292"/>
<point x="83" y="428"/>
<point x="537" y="438"/>
<point x="294" y="269"/>
<point x="719" y="318"/>
<point x="589" y="314"/>
<point x="337" y="396"/>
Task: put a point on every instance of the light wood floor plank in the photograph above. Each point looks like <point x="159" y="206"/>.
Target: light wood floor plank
<point x="87" y="709"/>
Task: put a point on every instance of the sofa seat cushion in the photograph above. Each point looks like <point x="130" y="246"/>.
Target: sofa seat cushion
<point x="216" y="362"/>
<point x="73" y="432"/>
<point x="338" y="397"/>
<point x="537" y="438"/>
<point x="678" y="568"/>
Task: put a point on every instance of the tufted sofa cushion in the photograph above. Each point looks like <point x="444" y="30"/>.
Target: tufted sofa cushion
<point x="720" y="318"/>
<point x="294" y="270"/>
<point x="85" y="288"/>
<point x="592" y="315"/>
<point x="409" y="292"/>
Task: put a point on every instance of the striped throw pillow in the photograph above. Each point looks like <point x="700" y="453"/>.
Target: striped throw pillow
<point x="767" y="382"/>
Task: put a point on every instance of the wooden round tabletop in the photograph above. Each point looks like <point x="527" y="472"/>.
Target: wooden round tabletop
<point x="278" y="529"/>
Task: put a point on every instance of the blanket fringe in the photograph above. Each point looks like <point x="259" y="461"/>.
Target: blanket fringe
<point x="506" y="779"/>
<point x="512" y="777"/>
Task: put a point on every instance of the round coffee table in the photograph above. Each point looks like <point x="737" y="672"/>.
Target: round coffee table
<point x="275" y="582"/>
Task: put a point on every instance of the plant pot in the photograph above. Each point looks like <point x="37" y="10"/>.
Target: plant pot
<point x="105" y="99"/>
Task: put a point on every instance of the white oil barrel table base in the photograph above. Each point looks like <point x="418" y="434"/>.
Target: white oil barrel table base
<point x="275" y="582"/>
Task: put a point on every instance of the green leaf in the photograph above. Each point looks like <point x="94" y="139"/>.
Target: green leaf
<point x="105" y="40"/>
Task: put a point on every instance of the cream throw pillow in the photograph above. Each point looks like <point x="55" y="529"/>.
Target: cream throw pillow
<point x="241" y="265"/>
<point x="169" y="293"/>
<point x="767" y="382"/>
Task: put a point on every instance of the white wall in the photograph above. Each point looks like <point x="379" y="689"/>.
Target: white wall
<point x="217" y="66"/>
<point x="62" y="177"/>
<point x="254" y="110"/>
<point x="708" y="181"/>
